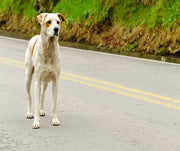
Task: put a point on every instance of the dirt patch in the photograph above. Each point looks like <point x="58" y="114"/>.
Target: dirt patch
<point x="113" y="37"/>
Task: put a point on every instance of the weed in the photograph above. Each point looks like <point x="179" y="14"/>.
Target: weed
<point x="146" y="26"/>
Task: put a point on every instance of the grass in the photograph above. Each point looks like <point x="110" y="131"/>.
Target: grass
<point x="128" y="12"/>
<point x="28" y="10"/>
<point x="81" y="10"/>
<point x="18" y="7"/>
<point x="127" y="25"/>
<point x="164" y="13"/>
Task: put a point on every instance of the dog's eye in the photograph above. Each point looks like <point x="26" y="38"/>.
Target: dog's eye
<point x="49" y="22"/>
<point x="57" y="22"/>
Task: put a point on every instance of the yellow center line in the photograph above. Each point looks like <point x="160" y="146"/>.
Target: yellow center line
<point x="124" y="93"/>
<point x="11" y="60"/>
<point x="95" y="80"/>
<point x="123" y="87"/>
<point x="15" y="65"/>
<point x="109" y="89"/>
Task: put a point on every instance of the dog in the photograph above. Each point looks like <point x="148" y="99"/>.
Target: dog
<point x="42" y="60"/>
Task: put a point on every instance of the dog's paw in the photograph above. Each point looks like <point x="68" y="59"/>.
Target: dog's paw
<point x="36" y="125"/>
<point x="55" y="122"/>
<point x="42" y="113"/>
<point x="29" y="115"/>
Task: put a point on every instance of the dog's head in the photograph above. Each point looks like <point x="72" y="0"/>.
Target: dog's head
<point x="50" y="23"/>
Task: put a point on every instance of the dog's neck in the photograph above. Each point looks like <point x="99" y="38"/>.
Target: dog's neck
<point x="49" y="47"/>
<point x="49" y="42"/>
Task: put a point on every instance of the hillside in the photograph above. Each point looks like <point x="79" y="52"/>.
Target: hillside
<point x="145" y="26"/>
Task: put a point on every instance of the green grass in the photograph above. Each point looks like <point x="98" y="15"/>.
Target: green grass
<point x="81" y="10"/>
<point x="5" y="6"/>
<point x="164" y="13"/>
<point x="128" y="12"/>
<point x="28" y="10"/>
<point x="17" y="7"/>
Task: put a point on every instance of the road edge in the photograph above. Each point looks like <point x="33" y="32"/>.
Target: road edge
<point x="99" y="52"/>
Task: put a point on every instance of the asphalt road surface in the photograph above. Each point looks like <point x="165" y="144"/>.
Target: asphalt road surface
<point x="105" y="103"/>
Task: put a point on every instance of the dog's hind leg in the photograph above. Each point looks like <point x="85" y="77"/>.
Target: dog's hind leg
<point x="28" y="79"/>
<point x="42" y="112"/>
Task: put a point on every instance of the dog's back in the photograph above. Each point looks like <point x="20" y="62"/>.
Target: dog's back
<point x="33" y="42"/>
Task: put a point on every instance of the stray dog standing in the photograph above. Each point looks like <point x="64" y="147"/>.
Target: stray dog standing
<point x="42" y="60"/>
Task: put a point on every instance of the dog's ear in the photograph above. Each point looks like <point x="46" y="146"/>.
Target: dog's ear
<point x="41" y="17"/>
<point x="61" y="17"/>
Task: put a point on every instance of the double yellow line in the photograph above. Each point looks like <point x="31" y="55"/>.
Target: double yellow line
<point x="111" y="87"/>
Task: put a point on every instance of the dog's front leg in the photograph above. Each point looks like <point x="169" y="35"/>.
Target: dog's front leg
<point x="36" y="123"/>
<point x="42" y="112"/>
<point x="55" y="120"/>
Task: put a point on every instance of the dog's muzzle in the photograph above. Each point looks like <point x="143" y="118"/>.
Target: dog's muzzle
<point x="56" y="31"/>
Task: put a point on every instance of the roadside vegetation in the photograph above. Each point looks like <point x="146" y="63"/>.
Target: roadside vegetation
<point x="144" y="26"/>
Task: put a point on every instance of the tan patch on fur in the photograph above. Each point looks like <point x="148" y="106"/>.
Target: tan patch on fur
<point x="33" y="47"/>
<point x="61" y="17"/>
<point x="47" y="24"/>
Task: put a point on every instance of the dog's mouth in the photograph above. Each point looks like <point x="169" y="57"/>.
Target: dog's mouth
<point x="56" y="34"/>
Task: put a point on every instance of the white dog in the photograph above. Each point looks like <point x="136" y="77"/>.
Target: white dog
<point x="42" y="59"/>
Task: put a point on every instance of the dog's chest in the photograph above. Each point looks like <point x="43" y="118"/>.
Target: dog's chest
<point x="48" y="72"/>
<point x="46" y="62"/>
<point x="48" y="76"/>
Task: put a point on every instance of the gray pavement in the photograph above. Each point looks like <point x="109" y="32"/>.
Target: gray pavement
<point x="105" y="103"/>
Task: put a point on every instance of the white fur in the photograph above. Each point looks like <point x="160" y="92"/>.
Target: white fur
<point x="45" y="64"/>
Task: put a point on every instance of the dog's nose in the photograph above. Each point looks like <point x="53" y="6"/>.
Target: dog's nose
<point x="56" y="30"/>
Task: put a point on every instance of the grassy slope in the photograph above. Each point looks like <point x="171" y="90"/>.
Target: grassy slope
<point x="125" y="25"/>
<point x="165" y="13"/>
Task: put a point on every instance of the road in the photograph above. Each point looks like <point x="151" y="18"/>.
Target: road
<point x="105" y="103"/>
